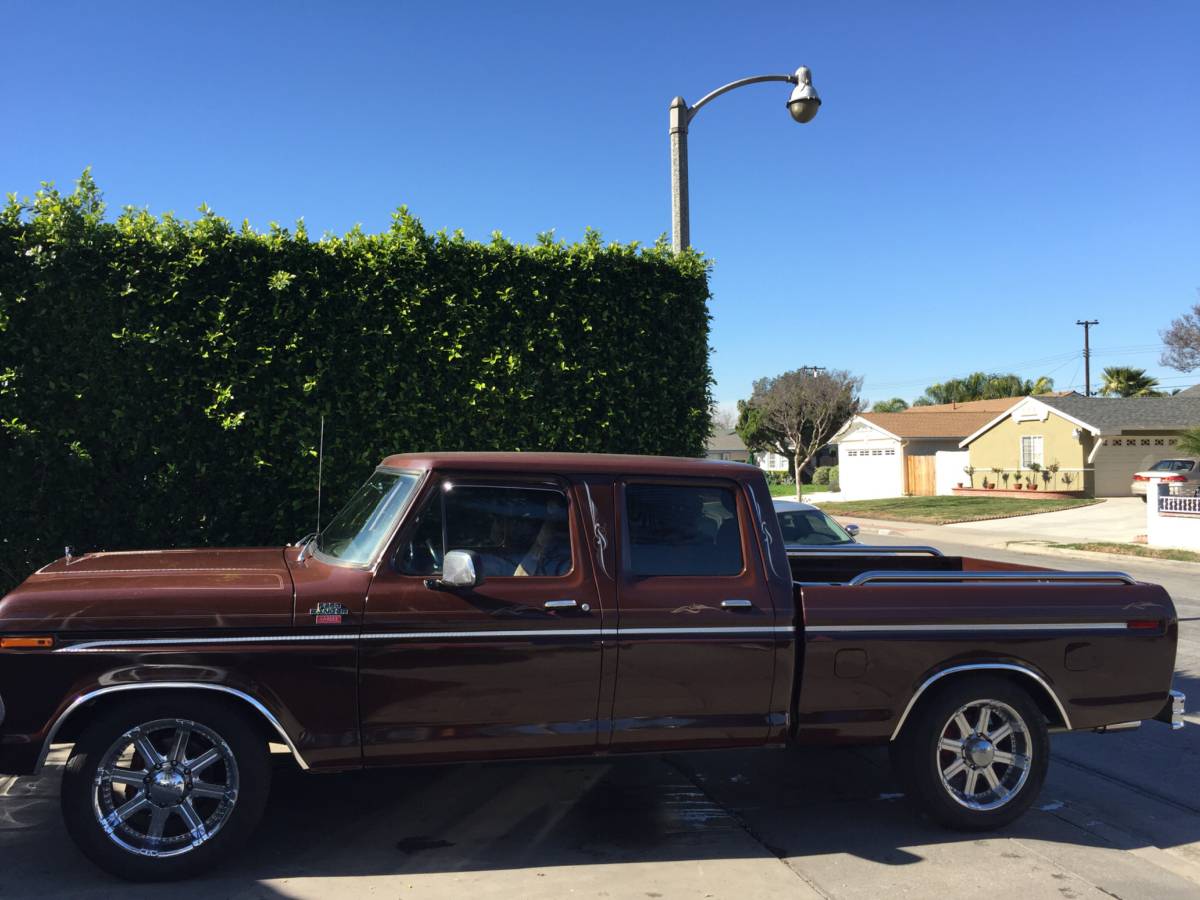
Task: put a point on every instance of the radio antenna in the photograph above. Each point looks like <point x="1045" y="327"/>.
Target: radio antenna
<point x="320" y="466"/>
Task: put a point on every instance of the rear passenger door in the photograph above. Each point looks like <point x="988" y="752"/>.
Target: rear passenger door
<point x="696" y="628"/>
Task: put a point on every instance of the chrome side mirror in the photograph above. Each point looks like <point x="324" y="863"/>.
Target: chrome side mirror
<point x="852" y="530"/>
<point x="461" y="569"/>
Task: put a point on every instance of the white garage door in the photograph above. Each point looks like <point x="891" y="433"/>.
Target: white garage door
<point x="1120" y="457"/>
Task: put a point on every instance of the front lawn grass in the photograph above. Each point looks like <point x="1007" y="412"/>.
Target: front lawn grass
<point x="789" y="490"/>
<point x="948" y="510"/>
<point x="1135" y="550"/>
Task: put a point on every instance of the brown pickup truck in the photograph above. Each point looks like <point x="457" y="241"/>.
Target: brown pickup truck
<point x="496" y="606"/>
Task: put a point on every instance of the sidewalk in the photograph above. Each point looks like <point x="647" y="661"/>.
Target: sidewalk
<point x="1008" y="536"/>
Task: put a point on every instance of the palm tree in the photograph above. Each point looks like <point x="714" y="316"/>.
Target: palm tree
<point x="1189" y="442"/>
<point x="1125" y="381"/>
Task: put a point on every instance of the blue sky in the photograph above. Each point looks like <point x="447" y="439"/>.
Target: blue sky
<point x="980" y="175"/>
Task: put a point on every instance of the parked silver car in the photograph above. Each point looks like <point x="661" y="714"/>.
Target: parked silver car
<point x="804" y="525"/>
<point x="1182" y="474"/>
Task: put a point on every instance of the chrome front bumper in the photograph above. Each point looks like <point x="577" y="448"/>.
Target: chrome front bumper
<point x="1172" y="713"/>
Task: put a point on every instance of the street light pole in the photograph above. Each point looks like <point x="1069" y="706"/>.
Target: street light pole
<point x="802" y="104"/>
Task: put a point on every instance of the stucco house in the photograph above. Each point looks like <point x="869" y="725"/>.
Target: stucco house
<point x="893" y="454"/>
<point x="1096" y="442"/>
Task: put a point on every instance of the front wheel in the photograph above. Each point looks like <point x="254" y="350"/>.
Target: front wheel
<point x="974" y="755"/>
<point x="158" y="789"/>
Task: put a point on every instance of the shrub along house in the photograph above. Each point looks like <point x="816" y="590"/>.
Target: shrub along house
<point x="1093" y="444"/>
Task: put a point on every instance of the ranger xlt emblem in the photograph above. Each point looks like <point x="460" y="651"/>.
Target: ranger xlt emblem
<point x="329" y="613"/>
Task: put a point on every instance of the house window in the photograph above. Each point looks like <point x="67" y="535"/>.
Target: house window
<point x="1031" y="450"/>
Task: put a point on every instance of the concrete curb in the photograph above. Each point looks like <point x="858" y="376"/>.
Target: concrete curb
<point x="1044" y="550"/>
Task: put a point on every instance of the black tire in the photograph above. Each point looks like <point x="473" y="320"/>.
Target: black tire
<point x="968" y="800"/>
<point x="242" y="760"/>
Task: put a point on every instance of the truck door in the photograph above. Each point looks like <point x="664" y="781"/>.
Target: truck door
<point x="696" y="627"/>
<point x="509" y="668"/>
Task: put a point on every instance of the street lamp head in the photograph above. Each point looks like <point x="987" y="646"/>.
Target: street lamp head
<point x="804" y="102"/>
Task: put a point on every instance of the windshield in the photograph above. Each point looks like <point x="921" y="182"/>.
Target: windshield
<point x="811" y="526"/>
<point x="358" y="532"/>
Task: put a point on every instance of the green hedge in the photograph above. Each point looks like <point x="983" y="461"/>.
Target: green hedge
<point x="162" y="380"/>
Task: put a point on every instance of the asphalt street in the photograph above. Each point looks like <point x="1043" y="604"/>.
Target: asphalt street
<point x="1119" y="817"/>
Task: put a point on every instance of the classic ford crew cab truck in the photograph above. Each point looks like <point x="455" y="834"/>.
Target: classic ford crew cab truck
<point x="516" y="605"/>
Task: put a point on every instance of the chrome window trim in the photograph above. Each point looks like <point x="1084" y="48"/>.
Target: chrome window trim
<point x="401" y="515"/>
<point x="166" y="685"/>
<point x="978" y="667"/>
<point x="856" y="549"/>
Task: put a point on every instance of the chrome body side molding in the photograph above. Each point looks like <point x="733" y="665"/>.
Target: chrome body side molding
<point x="981" y="667"/>
<point x="167" y="685"/>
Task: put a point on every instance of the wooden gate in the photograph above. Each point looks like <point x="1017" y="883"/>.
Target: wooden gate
<point x="920" y="475"/>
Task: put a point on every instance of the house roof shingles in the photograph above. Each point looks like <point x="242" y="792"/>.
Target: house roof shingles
<point x="1113" y="414"/>
<point x="726" y="442"/>
<point x="1193" y="391"/>
<point x="920" y="424"/>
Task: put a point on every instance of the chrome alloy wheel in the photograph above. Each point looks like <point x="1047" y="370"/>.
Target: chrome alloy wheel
<point x="984" y="754"/>
<point x="165" y="787"/>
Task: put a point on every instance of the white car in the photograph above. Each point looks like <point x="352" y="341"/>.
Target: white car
<point x="1182" y="475"/>
<point x="804" y="525"/>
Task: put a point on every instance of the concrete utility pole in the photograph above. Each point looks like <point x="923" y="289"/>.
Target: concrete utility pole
<point x="802" y="104"/>
<point x="1087" y="355"/>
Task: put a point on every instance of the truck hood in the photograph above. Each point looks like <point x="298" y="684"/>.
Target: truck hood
<point x="144" y="589"/>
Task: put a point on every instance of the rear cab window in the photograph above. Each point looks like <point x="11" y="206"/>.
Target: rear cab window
<point x="682" y="530"/>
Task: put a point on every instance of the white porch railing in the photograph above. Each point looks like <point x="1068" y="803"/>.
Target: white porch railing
<point x="1173" y="505"/>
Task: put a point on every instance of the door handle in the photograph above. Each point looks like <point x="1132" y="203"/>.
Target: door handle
<point x="736" y="603"/>
<point x="566" y="604"/>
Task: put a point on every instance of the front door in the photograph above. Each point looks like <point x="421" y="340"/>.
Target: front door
<point x="696" y="628"/>
<point x="509" y="668"/>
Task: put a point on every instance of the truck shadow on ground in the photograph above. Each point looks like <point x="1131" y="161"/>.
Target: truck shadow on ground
<point x="796" y="803"/>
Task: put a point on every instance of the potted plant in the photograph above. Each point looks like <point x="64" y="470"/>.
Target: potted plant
<point x="1053" y="470"/>
<point x="1031" y="480"/>
<point x="1030" y="483"/>
<point x="970" y="470"/>
<point x="998" y="472"/>
<point x="1067" y="478"/>
<point x="1004" y="476"/>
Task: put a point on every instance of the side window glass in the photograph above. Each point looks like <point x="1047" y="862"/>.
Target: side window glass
<point x="674" y="530"/>
<point x="422" y="554"/>
<point x="516" y="531"/>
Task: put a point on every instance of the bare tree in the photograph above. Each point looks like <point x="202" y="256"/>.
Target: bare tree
<point x="722" y="419"/>
<point x="1181" y="342"/>
<point x="806" y="407"/>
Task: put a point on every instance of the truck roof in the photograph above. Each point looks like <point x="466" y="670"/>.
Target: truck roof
<point x="569" y="463"/>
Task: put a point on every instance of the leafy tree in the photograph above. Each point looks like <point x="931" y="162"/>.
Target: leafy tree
<point x="1125" y="381"/>
<point x="758" y="436"/>
<point x="896" y="404"/>
<point x="806" y="408"/>
<point x="1182" y="342"/>
<point x="984" y="386"/>
<point x="1189" y="442"/>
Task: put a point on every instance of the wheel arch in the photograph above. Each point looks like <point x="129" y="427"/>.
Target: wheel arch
<point x="1022" y="675"/>
<point x="64" y="724"/>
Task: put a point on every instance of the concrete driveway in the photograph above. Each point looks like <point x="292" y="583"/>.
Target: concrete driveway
<point x="1117" y="519"/>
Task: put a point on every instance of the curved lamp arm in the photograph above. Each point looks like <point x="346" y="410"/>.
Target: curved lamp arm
<point x="741" y="82"/>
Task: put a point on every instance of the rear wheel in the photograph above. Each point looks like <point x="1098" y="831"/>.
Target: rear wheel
<point x="974" y="755"/>
<point x="158" y="789"/>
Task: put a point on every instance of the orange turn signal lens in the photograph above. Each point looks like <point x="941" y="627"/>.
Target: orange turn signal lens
<point x="25" y="643"/>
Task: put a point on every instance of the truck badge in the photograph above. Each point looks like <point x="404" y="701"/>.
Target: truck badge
<point x="329" y="613"/>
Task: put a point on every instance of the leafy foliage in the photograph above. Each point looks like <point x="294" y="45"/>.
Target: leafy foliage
<point x="1189" y="442"/>
<point x="1126" y="381"/>
<point x="896" y="404"/>
<point x="162" y="380"/>
<point x="802" y="410"/>
<point x="983" y="386"/>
